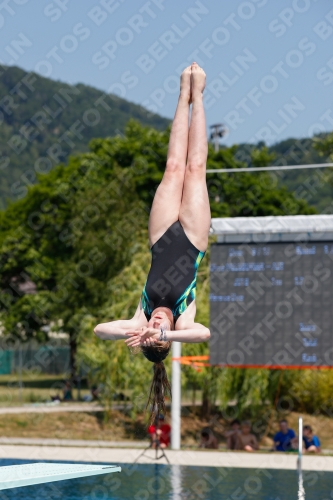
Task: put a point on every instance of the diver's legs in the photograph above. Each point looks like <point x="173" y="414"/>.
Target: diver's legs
<point x="168" y="196"/>
<point x="194" y="214"/>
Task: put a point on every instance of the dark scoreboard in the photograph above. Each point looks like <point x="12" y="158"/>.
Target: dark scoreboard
<point x="272" y="304"/>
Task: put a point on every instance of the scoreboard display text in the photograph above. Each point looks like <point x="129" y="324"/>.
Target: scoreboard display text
<point x="271" y="304"/>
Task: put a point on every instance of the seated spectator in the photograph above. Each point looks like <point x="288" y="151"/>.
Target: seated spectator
<point x="94" y="394"/>
<point x="245" y="440"/>
<point x="56" y="398"/>
<point x="67" y="391"/>
<point x="311" y="442"/>
<point x="231" y="435"/>
<point x="285" y="439"/>
<point x="208" y="440"/>
<point x="159" y="433"/>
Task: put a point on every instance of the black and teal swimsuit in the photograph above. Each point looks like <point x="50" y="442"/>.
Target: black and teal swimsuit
<point x="172" y="277"/>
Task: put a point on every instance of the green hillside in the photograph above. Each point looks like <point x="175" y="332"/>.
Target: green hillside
<point x="313" y="186"/>
<point x="43" y="121"/>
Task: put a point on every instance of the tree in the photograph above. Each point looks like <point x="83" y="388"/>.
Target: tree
<point x="80" y="237"/>
<point x="248" y="194"/>
<point x="65" y="109"/>
<point x="70" y="235"/>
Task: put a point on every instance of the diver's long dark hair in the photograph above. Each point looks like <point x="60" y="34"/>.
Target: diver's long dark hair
<point x="160" y="386"/>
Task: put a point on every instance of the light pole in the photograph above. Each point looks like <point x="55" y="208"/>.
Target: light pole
<point x="176" y="396"/>
<point x="218" y="130"/>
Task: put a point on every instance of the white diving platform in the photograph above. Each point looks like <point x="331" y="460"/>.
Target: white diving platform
<point x="14" y="476"/>
<point x="273" y="228"/>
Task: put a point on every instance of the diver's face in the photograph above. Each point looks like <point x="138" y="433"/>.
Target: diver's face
<point x="159" y="319"/>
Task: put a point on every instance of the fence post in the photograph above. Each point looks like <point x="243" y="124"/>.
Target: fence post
<point x="300" y="443"/>
<point x="20" y="374"/>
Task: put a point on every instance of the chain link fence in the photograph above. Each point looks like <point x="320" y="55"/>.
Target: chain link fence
<point x="47" y="358"/>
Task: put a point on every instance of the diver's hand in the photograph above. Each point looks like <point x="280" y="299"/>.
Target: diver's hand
<point x="142" y="336"/>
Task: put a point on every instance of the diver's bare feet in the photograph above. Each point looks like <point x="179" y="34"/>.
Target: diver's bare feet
<point x="198" y="80"/>
<point x="185" y="84"/>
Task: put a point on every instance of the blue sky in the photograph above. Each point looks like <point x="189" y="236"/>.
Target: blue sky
<point x="269" y="64"/>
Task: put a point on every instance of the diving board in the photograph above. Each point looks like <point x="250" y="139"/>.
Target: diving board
<point x="14" y="476"/>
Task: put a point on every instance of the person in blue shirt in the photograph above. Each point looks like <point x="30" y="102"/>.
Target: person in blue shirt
<point x="285" y="439"/>
<point x="311" y="442"/>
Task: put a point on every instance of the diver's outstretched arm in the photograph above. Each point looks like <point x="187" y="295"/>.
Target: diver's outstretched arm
<point x="197" y="333"/>
<point x="116" y="330"/>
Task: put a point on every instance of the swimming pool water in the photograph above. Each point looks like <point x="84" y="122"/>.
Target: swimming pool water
<point x="172" y="482"/>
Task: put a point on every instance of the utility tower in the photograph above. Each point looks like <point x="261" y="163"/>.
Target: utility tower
<point x="218" y="130"/>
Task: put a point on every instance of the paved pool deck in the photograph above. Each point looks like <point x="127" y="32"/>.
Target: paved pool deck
<point x="207" y="458"/>
<point x="54" y="408"/>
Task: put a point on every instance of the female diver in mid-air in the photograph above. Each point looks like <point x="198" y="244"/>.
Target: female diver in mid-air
<point x="178" y="229"/>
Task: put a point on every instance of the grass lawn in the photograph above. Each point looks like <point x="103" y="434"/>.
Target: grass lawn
<point x="81" y="425"/>
<point x="35" y="388"/>
<point x="121" y="427"/>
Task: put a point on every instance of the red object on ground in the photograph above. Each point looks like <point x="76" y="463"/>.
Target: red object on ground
<point x="165" y="433"/>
